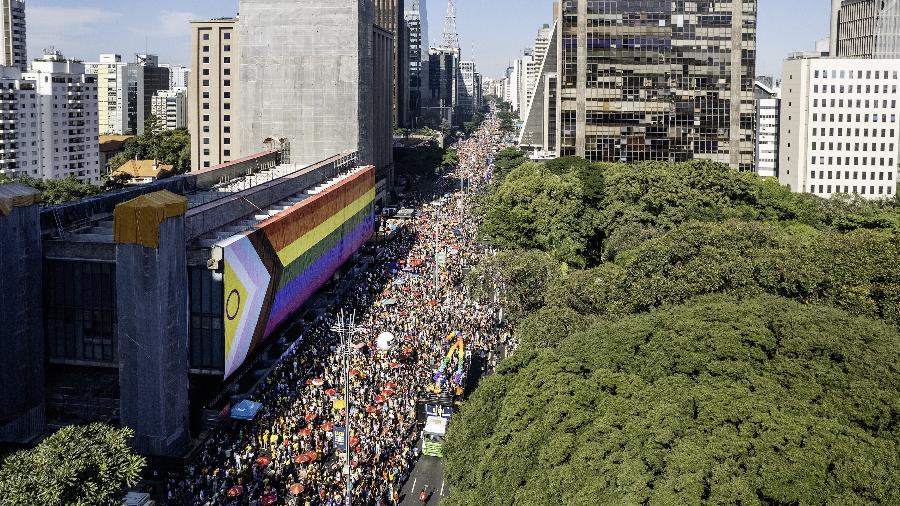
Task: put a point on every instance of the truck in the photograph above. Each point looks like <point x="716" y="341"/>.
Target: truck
<point x="433" y="436"/>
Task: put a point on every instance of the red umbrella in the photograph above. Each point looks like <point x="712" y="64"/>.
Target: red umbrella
<point x="395" y="365"/>
<point x="313" y="456"/>
<point x="407" y="351"/>
<point x="371" y="409"/>
<point x="263" y="461"/>
<point x="307" y="382"/>
<point x="287" y="442"/>
<point x="268" y="499"/>
<point x="318" y="382"/>
<point x="354" y="441"/>
<point x="328" y="426"/>
<point x="410" y="338"/>
<point x="390" y="385"/>
<point x="235" y="491"/>
<point x="380" y="399"/>
<point x="306" y="432"/>
<point x="297" y="489"/>
<point x="310" y="417"/>
<point x="388" y="393"/>
<point x="331" y="392"/>
<point x="354" y="372"/>
<point x="301" y="459"/>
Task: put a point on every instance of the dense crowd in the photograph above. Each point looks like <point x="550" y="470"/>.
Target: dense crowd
<point x="287" y="454"/>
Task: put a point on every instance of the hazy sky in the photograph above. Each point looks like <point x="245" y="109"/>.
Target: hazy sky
<point x="499" y="29"/>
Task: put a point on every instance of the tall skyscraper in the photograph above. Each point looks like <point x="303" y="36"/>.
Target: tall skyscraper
<point x="20" y="128"/>
<point x="342" y="104"/>
<point x="12" y="22"/>
<point x="390" y="15"/>
<point x="866" y="29"/>
<point x="126" y="91"/>
<point x="650" y="80"/>
<point x="213" y="89"/>
<point x="416" y="17"/>
<point x="767" y="97"/>
<point x="467" y="90"/>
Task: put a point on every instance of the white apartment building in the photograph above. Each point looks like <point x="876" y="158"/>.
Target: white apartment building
<point x="179" y="76"/>
<point x="14" y="52"/>
<point x="68" y="119"/>
<point x="170" y="108"/>
<point x="19" y="125"/>
<point x="468" y="94"/>
<point x="839" y="126"/>
<point x="768" y="110"/>
<point x="112" y="78"/>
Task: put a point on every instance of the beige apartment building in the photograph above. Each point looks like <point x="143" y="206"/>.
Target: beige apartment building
<point x="213" y="92"/>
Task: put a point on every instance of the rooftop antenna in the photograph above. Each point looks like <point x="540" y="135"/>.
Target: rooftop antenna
<point x="451" y="37"/>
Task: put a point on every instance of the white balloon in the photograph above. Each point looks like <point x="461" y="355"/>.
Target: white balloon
<point x="385" y="341"/>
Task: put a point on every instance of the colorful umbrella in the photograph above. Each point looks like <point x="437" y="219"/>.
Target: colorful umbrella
<point x="235" y="491"/>
<point x="354" y="441"/>
<point x="328" y="426"/>
<point x="268" y="499"/>
<point x="263" y="461"/>
<point x="318" y="382"/>
<point x="313" y="456"/>
<point x="306" y="432"/>
<point x="310" y="417"/>
<point x="301" y="459"/>
<point x="371" y="409"/>
<point x="395" y="365"/>
<point x="331" y="392"/>
<point x="388" y="393"/>
<point x="297" y="489"/>
<point x="380" y="399"/>
<point x="307" y="382"/>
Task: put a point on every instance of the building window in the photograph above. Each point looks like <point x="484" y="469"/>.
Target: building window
<point x="207" y="338"/>
<point x="80" y="310"/>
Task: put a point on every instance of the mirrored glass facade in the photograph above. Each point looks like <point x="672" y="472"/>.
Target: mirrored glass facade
<point x="657" y="80"/>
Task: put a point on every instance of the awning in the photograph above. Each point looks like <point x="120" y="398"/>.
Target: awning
<point x="245" y="410"/>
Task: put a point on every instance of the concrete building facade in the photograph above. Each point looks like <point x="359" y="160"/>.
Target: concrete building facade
<point x="416" y="18"/>
<point x="839" y="126"/>
<point x="69" y="119"/>
<point x="179" y="76"/>
<point x="675" y="85"/>
<point x="442" y="99"/>
<point x="126" y="91"/>
<point x="170" y="108"/>
<point x="767" y="97"/>
<point x="390" y="15"/>
<point x="337" y="107"/>
<point x="20" y="150"/>
<point x="14" y="51"/>
<point x="213" y="93"/>
<point x="468" y="93"/>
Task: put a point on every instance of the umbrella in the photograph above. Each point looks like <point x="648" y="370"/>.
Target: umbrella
<point x="307" y="382"/>
<point x="354" y="441"/>
<point x="371" y="409"/>
<point x="387" y="393"/>
<point x="263" y="461"/>
<point x="268" y="499"/>
<point x="331" y="392"/>
<point x="354" y="372"/>
<point x="306" y="432"/>
<point x="395" y="365"/>
<point x="287" y="442"/>
<point x="338" y="404"/>
<point x="390" y="385"/>
<point x="235" y="491"/>
<point x="380" y="399"/>
<point x="301" y="459"/>
<point x="313" y="456"/>
<point x="297" y="489"/>
<point x="389" y="302"/>
<point x="318" y="382"/>
<point x="311" y="416"/>
<point x="328" y="426"/>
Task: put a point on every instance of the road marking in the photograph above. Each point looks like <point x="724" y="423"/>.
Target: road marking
<point x="414" y="485"/>
<point x="442" y="488"/>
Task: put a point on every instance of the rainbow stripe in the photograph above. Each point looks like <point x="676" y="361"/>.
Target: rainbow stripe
<point x="272" y="271"/>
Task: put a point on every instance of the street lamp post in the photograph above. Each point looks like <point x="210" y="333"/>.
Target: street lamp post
<point x="346" y="328"/>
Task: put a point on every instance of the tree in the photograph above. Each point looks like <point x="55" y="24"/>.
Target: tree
<point x="170" y="147"/>
<point x="506" y="160"/>
<point x="56" y="191"/>
<point x="450" y="159"/>
<point x="520" y="277"/>
<point x="718" y="401"/>
<point x="76" y="466"/>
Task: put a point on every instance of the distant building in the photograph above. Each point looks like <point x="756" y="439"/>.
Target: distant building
<point x="416" y="17"/>
<point x="390" y="15"/>
<point x="69" y="123"/>
<point x="442" y="99"/>
<point x="468" y="91"/>
<point x="628" y="83"/>
<point x="20" y="140"/>
<point x="126" y="91"/>
<point x="170" y="108"/>
<point x="179" y="76"/>
<point x="110" y="146"/>
<point x="865" y="28"/>
<point x="213" y="92"/>
<point x="12" y="22"/>
<point x="768" y="105"/>
<point x="839" y="126"/>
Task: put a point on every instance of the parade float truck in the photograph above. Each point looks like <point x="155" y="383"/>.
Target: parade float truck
<point x="443" y="395"/>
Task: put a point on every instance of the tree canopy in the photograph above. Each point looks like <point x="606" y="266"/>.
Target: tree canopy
<point x="76" y="466"/>
<point x="722" y="401"/>
<point x="57" y="191"/>
<point x="171" y="147"/>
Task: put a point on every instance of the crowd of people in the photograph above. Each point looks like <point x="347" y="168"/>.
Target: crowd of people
<point x="288" y="453"/>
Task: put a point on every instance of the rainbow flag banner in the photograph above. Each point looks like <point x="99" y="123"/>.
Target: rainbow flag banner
<point x="270" y="272"/>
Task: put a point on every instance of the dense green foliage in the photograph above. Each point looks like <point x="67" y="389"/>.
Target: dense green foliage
<point x="688" y="334"/>
<point x="171" y="147"/>
<point x="423" y="159"/>
<point x="76" y="466"/>
<point x="507" y="117"/>
<point x="723" y="401"/>
<point x="450" y="159"/>
<point x="57" y="191"/>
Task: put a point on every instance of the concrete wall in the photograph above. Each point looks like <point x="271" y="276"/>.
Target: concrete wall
<point x="304" y="76"/>
<point x="152" y="307"/>
<point x="21" y="325"/>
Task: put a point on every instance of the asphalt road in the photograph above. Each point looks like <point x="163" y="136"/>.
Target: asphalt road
<point x="428" y="471"/>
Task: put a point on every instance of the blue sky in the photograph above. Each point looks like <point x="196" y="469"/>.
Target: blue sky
<point x="499" y="29"/>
